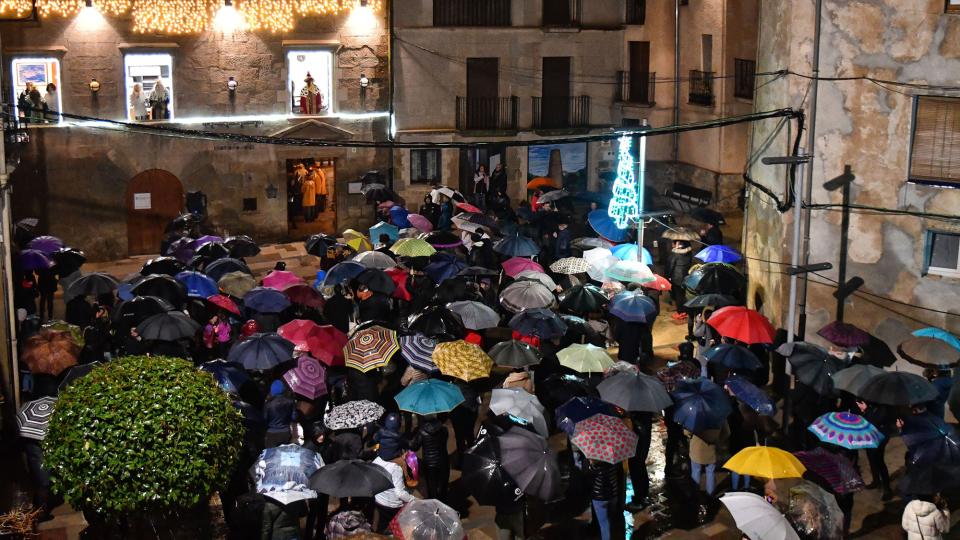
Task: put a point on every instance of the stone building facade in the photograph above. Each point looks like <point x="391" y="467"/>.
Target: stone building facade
<point x="871" y="127"/>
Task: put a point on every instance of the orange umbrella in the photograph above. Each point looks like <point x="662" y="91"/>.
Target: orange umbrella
<point x="541" y="182"/>
<point x="50" y="352"/>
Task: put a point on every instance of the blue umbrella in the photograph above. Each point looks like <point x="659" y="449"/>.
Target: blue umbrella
<point x="266" y="300"/>
<point x="701" y="405"/>
<point x="398" y="215"/>
<point x="930" y="440"/>
<point x="384" y="228"/>
<point x="605" y="227"/>
<point x="733" y="357"/>
<point x="261" y="352"/>
<point x="540" y="322"/>
<point x="939" y="333"/>
<point x="751" y="395"/>
<point x="718" y="253"/>
<point x="230" y="377"/>
<point x="219" y="267"/>
<point x="283" y="472"/>
<point x="321" y="275"/>
<point x="628" y="252"/>
<point x="343" y="272"/>
<point x="429" y="397"/>
<point x="577" y="409"/>
<point x="443" y="267"/>
<point x="633" y="306"/>
<point x="198" y="284"/>
<point x="517" y="246"/>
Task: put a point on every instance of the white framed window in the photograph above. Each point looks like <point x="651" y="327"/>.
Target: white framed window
<point x="152" y="74"/>
<point x="43" y="75"/>
<point x="942" y="255"/>
<point x="306" y="98"/>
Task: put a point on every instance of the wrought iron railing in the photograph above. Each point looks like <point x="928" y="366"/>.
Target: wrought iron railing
<point x="701" y="87"/>
<point x="561" y="112"/>
<point x="487" y="113"/>
<point x="636" y="87"/>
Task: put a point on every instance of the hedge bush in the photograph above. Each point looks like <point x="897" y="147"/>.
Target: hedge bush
<point x="142" y="434"/>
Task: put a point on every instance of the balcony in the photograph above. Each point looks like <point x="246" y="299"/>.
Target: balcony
<point x="562" y="13"/>
<point x="471" y="13"/>
<point x="487" y="113"/>
<point x="637" y="88"/>
<point x="701" y="88"/>
<point x="561" y="112"/>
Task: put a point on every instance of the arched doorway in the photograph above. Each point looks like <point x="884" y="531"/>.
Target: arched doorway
<point x="154" y="197"/>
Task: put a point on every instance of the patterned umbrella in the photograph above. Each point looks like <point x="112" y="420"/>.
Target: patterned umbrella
<point x="50" y="352"/>
<point x="308" y="378"/>
<point x="531" y="463"/>
<point x="282" y="473"/>
<point x="475" y="316"/>
<point x="522" y="295"/>
<point x="846" y="430"/>
<point x="929" y="352"/>
<point x="370" y="348"/>
<point x="304" y="295"/>
<point x="33" y="418"/>
<point x="418" y="350"/>
<point x="225" y="303"/>
<point x="765" y="462"/>
<point x="279" y="279"/>
<point x="419" y="222"/>
<point x="751" y="395"/>
<point x="515" y="265"/>
<point x="605" y="438"/>
<point x="540" y="322"/>
<point x="261" y="352"/>
<point x="462" y="360"/>
<point x="742" y="324"/>
<point x="630" y="272"/>
<point x="353" y="414"/>
<point x="517" y="246"/>
<point x="375" y="259"/>
<point x="516" y="354"/>
<point x="45" y="244"/>
<point x="628" y="252"/>
<point x="635" y="392"/>
<point x="600" y="260"/>
<point x="522" y="404"/>
<point x="585" y="358"/>
<point x="671" y="375"/>
<point x="237" y="284"/>
<point x="429" y="396"/>
<point x="413" y="247"/>
<point x="734" y="357"/>
<point x="633" y="306"/>
<point x="844" y="334"/>
<point x="32" y="259"/>
<point x="833" y="468"/>
<point x="570" y="265"/>
<point x="266" y="300"/>
<point x="430" y="518"/>
<point x="720" y="254"/>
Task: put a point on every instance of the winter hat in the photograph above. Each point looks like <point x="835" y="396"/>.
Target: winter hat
<point x="276" y="387"/>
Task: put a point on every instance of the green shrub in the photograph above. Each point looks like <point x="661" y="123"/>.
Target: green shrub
<point x="142" y="434"/>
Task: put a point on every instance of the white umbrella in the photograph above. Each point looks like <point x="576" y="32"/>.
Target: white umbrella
<point x="757" y="518"/>
<point x="599" y="259"/>
<point x="520" y="403"/>
<point x="533" y="275"/>
<point x="375" y="259"/>
<point x="443" y="190"/>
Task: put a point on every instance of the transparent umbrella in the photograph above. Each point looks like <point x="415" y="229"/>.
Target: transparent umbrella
<point x="430" y="518"/>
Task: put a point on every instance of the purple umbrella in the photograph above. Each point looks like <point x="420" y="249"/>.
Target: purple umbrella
<point x="844" y="335"/>
<point x="203" y="240"/>
<point x="46" y="244"/>
<point x="307" y="379"/>
<point x="32" y="259"/>
<point x="181" y="249"/>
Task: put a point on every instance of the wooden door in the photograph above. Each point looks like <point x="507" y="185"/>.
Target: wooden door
<point x="154" y="197"/>
<point x="555" y="105"/>
<point x="639" y="71"/>
<point x="483" y="89"/>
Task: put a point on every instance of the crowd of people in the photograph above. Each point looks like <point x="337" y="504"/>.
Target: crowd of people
<point x="504" y="316"/>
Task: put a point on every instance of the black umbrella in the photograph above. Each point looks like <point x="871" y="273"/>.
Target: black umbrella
<point x="442" y="239"/>
<point x="183" y="221"/>
<point x="241" y="246"/>
<point x="350" y="478"/>
<point x="876" y="352"/>
<point x="378" y="193"/>
<point x="261" y="352"/>
<point x="635" y="392"/>
<point x="377" y="281"/>
<point x="733" y="357"/>
<point x="484" y="476"/>
<point x="517" y="246"/>
<point x="579" y="331"/>
<point x="75" y="372"/>
<point x="516" y="354"/>
<point x="898" y="389"/>
<point x="711" y="300"/>
<point x="558" y="389"/>
<point x="212" y="251"/>
<point x="163" y="286"/>
<point x="219" y="267"/>
<point x="706" y="215"/>
<point x="812" y="365"/>
<point x="540" y="322"/>
<point x="478" y="271"/>
<point x="68" y="260"/>
<point x="92" y="284"/>
<point x="26" y="229"/>
<point x="439" y="323"/>
<point x="931" y="479"/>
<point x="318" y="244"/>
<point x="531" y="463"/>
<point x="168" y="326"/>
<point x="930" y="440"/>
<point x="162" y="265"/>
<point x="583" y="299"/>
<point x="136" y="310"/>
<point x="716" y="278"/>
<point x="230" y="377"/>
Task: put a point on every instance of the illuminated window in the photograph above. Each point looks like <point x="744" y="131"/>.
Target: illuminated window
<point x="313" y="96"/>
<point x="149" y="85"/>
<point x="37" y="74"/>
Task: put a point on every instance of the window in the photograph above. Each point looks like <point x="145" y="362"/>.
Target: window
<point x="38" y="74"/>
<point x="744" y="72"/>
<point x="249" y="204"/>
<point x="149" y="84"/>
<point x="471" y="12"/>
<point x="953" y="6"/>
<point x="424" y="166"/>
<point x="943" y="254"/>
<point x="310" y="80"/>
<point x="636" y="11"/>
<point x="935" y="147"/>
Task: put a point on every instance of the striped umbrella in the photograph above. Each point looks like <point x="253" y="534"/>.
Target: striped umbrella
<point x="418" y="350"/>
<point x="462" y="360"/>
<point x="370" y="348"/>
<point x="307" y="379"/>
<point x="33" y="418"/>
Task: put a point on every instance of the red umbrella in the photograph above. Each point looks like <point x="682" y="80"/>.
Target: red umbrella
<point x="515" y="265"/>
<point x="278" y="279"/>
<point x="467" y="207"/>
<point x="297" y="331"/>
<point x="303" y="294"/>
<point x="224" y="303"/>
<point x="742" y="324"/>
<point x="399" y="277"/>
<point x="324" y="343"/>
<point x="660" y="284"/>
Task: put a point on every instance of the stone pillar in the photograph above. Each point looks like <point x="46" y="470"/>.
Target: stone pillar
<point x="556" y="167"/>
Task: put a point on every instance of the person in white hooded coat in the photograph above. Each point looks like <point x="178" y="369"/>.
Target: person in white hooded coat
<point x="925" y="520"/>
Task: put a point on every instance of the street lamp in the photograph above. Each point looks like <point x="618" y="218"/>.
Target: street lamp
<point x="364" y="83"/>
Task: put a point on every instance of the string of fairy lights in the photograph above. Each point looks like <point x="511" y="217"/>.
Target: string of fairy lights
<point x="193" y="16"/>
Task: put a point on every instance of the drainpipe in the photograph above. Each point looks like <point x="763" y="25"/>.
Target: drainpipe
<point x="676" y="75"/>
<point x="392" y="120"/>
<point x="812" y="148"/>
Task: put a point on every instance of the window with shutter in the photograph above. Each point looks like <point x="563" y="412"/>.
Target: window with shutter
<point x="935" y="150"/>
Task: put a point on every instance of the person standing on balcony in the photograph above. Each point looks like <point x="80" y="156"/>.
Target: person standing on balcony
<point x="138" y="103"/>
<point x="159" y="102"/>
<point x="311" y="100"/>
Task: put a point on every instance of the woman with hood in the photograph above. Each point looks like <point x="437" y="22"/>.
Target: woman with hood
<point x="926" y="518"/>
<point x="431" y="438"/>
<point x="681" y="258"/>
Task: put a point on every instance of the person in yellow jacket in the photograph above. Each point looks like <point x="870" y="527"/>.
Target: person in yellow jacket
<point x="309" y="190"/>
<point x="320" y="180"/>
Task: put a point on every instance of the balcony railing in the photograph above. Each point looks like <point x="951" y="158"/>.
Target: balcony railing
<point x="636" y="87"/>
<point x="744" y="74"/>
<point x="563" y="13"/>
<point x="471" y="13"/>
<point x="701" y="87"/>
<point x="561" y="112"/>
<point x="494" y="113"/>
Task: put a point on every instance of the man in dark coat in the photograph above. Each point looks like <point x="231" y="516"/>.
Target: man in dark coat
<point x="681" y="258"/>
<point x="338" y="310"/>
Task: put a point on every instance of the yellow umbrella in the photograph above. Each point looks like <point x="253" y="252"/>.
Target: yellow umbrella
<point x="462" y="360"/>
<point x="765" y="462"/>
<point x="412" y="247"/>
<point x="357" y="241"/>
<point x="585" y="358"/>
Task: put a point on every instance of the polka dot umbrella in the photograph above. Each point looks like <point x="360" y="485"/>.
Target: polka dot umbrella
<point x="605" y="438"/>
<point x="370" y="348"/>
<point x="846" y="430"/>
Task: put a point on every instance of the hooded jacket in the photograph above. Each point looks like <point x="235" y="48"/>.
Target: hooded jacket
<point x="680" y="261"/>
<point x="391" y="442"/>
<point x="923" y="520"/>
<point x="432" y="438"/>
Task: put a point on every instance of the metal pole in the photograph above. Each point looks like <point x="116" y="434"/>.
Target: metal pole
<point x="811" y="147"/>
<point x="676" y="76"/>
<point x="795" y="252"/>
<point x="641" y="183"/>
<point x="844" y="239"/>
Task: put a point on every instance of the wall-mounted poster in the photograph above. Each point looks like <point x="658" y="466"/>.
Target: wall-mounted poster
<point x="32" y="72"/>
<point x="566" y="164"/>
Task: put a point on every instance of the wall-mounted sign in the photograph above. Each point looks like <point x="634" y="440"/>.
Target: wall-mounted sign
<point x="141" y="201"/>
<point x="354" y="187"/>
